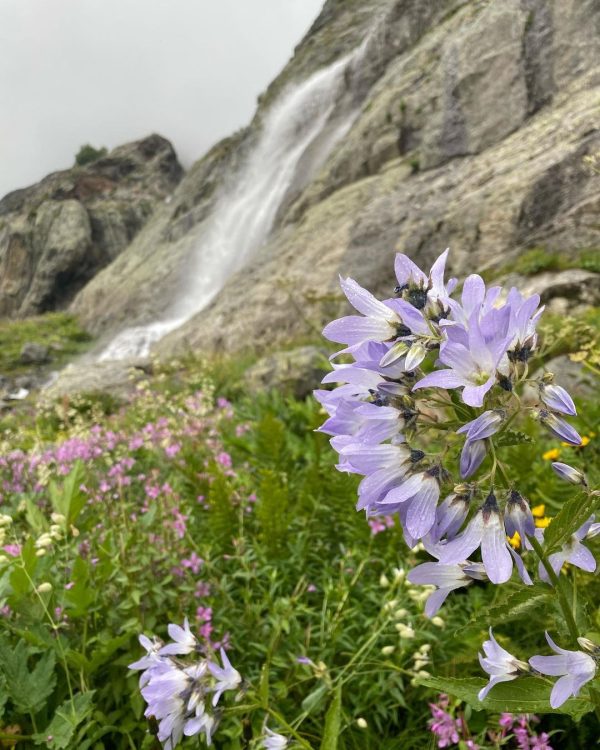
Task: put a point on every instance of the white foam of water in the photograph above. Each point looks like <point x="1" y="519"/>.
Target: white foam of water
<point x="244" y="214"/>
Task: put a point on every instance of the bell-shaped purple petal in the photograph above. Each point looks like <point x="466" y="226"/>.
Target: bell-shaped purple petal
<point x="575" y="668"/>
<point x="354" y="329"/>
<point x="519" y="518"/>
<point x="494" y="549"/>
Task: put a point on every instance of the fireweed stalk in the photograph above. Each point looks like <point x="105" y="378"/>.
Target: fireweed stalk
<point x="428" y="363"/>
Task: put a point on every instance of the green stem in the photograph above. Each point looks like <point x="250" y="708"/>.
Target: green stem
<point x="562" y="599"/>
<point x="288" y="728"/>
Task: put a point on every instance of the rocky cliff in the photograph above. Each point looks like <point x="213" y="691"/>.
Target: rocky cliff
<point x="56" y="235"/>
<point x="470" y="128"/>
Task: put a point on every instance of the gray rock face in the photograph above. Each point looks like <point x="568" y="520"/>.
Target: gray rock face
<point x="474" y="122"/>
<point x="55" y="236"/>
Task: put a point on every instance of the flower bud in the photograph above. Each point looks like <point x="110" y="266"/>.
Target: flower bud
<point x="361" y="723"/>
<point x="568" y="473"/>
<point x="405" y="631"/>
<point x="438" y="622"/>
<point x="399" y="575"/>
<point x="384" y="581"/>
<point x="44" y="588"/>
<point x="58" y="518"/>
<point x="5" y="520"/>
<point x="388" y="650"/>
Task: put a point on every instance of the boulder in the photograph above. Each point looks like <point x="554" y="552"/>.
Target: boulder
<point x="34" y="354"/>
<point x="296" y="371"/>
<point x="56" y="235"/>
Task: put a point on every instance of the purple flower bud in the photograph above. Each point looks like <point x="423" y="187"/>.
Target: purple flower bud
<point x="472" y="455"/>
<point x="557" y="399"/>
<point x="485" y="425"/>
<point x="568" y="473"/>
<point x="559" y="427"/>
<point x="518" y="517"/>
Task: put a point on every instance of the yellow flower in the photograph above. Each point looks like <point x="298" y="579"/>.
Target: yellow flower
<point x="514" y="540"/>
<point x="538" y="510"/>
<point x="552" y="454"/>
<point x="542" y="523"/>
<point x="585" y="440"/>
<point x="592" y="434"/>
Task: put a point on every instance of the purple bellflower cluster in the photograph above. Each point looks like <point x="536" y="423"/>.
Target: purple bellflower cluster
<point x="434" y="362"/>
<point x="182" y="696"/>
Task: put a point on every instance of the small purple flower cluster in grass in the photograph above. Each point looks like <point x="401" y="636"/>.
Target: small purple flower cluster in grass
<point x="514" y="730"/>
<point x="180" y="694"/>
<point x="116" y="457"/>
<point x="390" y="406"/>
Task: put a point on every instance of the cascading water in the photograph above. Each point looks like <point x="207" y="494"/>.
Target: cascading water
<point x="243" y="216"/>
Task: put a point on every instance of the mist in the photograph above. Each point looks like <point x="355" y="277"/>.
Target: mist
<point x="106" y="72"/>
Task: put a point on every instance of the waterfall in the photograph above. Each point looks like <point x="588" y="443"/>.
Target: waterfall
<point x="302" y="122"/>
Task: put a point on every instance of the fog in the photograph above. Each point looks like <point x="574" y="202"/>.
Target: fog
<point x="110" y="71"/>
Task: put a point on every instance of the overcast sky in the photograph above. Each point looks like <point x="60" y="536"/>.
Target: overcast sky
<point x="110" y="71"/>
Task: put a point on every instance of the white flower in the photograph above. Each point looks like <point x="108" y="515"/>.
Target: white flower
<point x="273" y="741"/>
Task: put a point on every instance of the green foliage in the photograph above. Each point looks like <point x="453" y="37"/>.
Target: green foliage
<point x="88" y="154"/>
<point x="59" y="331"/>
<point x="272" y="511"/>
<point x="527" y="695"/>
<point x="539" y="260"/>
<point x="27" y="688"/>
<point x="294" y="572"/>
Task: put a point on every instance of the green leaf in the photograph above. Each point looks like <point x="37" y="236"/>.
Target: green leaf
<point x="333" y="721"/>
<point x="28" y="690"/>
<point x="19" y="578"/>
<point x="263" y="688"/>
<point x="67" y="718"/>
<point x="525" y="695"/>
<point x="513" y="437"/>
<point x="313" y="700"/>
<point x="514" y="604"/>
<point x="574" y="513"/>
<point x="69" y="500"/>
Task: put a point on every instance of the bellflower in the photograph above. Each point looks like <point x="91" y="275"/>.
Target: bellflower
<point x="418" y="495"/>
<point x="485" y="530"/>
<point x="573" y="552"/>
<point x="446" y="578"/>
<point x="273" y="741"/>
<point x="519" y="518"/>
<point x="486" y="425"/>
<point x="574" y="668"/>
<point x="450" y="515"/>
<point x="185" y="640"/>
<point x="227" y="677"/>
<point x="472" y="367"/>
<point x="380" y="322"/>
<point x="499" y="664"/>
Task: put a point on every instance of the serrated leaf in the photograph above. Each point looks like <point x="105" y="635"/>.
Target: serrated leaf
<point x="59" y="733"/>
<point x="333" y="721"/>
<point x="525" y="695"/>
<point x="516" y="603"/>
<point x="513" y="437"/>
<point x="28" y="690"/>
<point x="574" y="513"/>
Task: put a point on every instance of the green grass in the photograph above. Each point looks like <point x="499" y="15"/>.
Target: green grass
<point x="58" y="331"/>
<point x="539" y="259"/>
